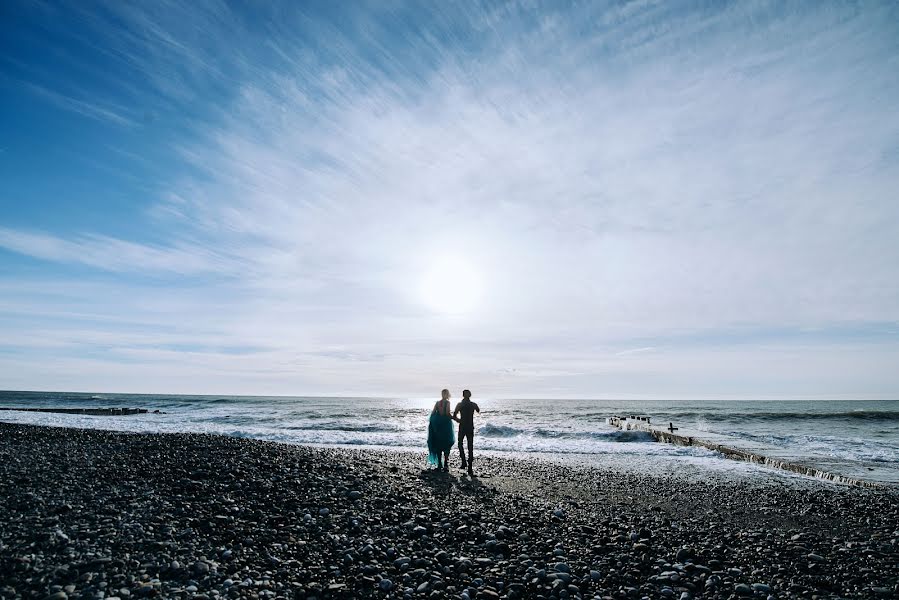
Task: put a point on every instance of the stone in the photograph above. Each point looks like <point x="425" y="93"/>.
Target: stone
<point x="200" y="568"/>
<point x="684" y="554"/>
<point x="815" y="557"/>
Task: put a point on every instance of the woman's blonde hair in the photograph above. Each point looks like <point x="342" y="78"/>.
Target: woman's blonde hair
<point x="445" y="395"/>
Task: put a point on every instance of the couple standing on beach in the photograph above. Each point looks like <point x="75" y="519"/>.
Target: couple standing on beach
<point x="440" y="430"/>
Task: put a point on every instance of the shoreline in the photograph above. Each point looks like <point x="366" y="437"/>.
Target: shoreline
<point x="205" y="516"/>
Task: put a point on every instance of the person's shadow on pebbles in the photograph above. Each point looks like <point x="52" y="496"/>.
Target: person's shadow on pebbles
<point x="443" y="484"/>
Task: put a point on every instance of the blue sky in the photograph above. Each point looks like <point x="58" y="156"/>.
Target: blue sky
<point x="607" y="199"/>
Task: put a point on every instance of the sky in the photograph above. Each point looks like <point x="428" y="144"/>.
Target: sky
<point x="588" y="199"/>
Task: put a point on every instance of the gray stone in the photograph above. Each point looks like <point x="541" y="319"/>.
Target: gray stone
<point x="201" y="568"/>
<point x="815" y="557"/>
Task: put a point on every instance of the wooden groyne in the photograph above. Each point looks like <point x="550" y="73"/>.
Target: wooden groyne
<point x="757" y="455"/>
<point x="106" y="412"/>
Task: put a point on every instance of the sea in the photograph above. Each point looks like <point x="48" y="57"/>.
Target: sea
<point x="858" y="436"/>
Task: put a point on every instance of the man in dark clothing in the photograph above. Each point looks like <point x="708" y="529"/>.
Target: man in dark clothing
<point x="466" y="408"/>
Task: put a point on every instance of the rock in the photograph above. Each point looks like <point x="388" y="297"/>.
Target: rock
<point x="761" y="588"/>
<point x="742" y="589"/>
<point x="684" y="554"/>
<point x="354" y="495"/>
<point x="815" y="558"/>
<point x="57" y="596"/>
<point x="386" y="585"/>
<point x="200" y="568"/>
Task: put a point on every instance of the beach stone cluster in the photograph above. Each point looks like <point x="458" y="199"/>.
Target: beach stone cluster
<point x="106" y="515"/>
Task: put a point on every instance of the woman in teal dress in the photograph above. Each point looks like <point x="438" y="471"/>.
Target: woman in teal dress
<point x="441" y="436"/>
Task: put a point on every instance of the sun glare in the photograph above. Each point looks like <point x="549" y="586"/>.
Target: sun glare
<point x="451" y="285"/>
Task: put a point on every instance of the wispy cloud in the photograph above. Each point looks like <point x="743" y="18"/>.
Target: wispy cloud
<point x="626" y="177"/>
<point x="106" y="112"/>
<point x="111" y="254"/>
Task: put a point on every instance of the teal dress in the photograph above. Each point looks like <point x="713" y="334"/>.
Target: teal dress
<point x="441" y="436"/>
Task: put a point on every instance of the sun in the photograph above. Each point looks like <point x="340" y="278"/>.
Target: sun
<point x="451" y="285"/>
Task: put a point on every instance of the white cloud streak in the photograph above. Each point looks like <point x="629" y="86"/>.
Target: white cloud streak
<point x="111" y="254"/>
<point x="626" y="177"/>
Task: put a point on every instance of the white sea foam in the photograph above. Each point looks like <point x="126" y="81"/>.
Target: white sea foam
<point x="860" y="432"/>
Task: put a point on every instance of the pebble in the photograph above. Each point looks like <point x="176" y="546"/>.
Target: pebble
<point x="222" y="518"/>
<point x="743" y="589"/>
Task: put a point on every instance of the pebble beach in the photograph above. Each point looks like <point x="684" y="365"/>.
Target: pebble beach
<point x="104" y="515"/>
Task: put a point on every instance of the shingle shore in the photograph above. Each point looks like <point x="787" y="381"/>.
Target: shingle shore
<point x="96" y="514"/>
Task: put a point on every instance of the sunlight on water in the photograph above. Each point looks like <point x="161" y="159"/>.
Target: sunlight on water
<point x="863" y="432"/>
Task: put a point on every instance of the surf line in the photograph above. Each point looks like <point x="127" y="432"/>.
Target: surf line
<point x="668" y="435"/>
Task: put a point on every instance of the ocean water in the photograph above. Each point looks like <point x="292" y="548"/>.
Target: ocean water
<point x="860" y="434"/>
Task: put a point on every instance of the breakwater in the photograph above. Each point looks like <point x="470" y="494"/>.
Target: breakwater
<point x="754" y="453"/>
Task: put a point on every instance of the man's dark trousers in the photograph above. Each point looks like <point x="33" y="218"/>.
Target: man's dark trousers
<point x="466" y="433"/>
